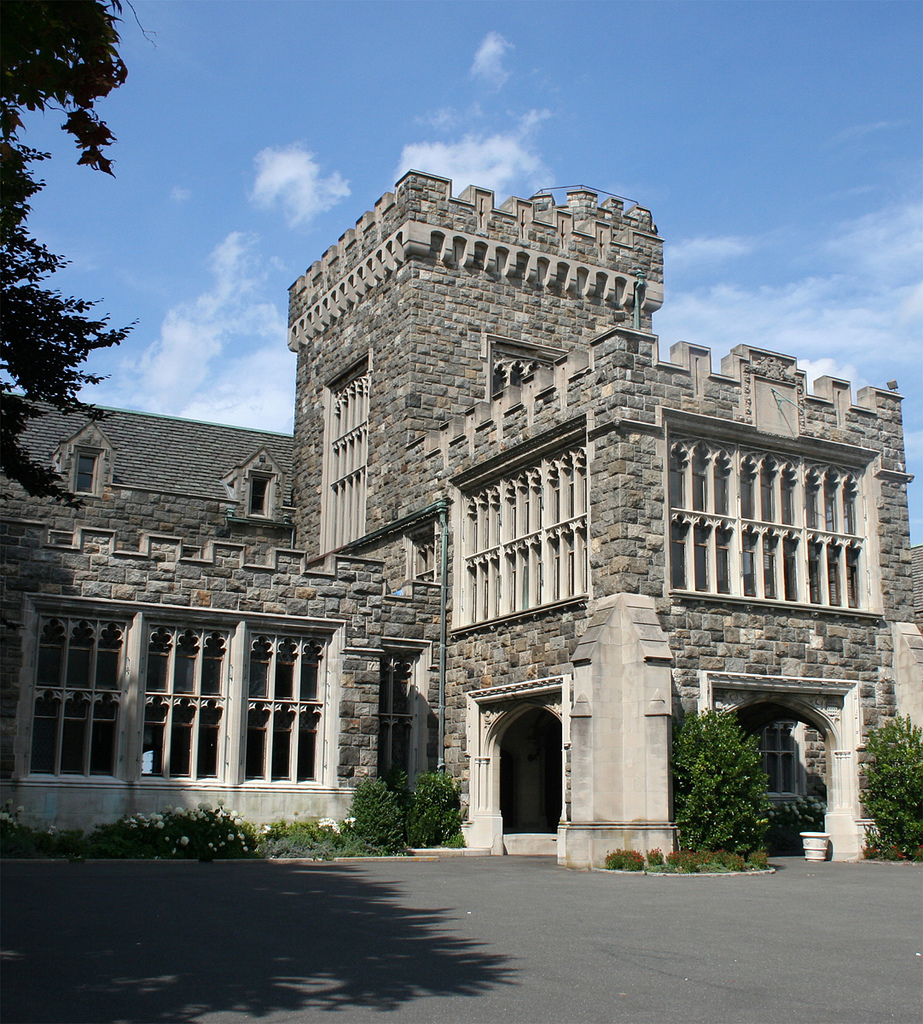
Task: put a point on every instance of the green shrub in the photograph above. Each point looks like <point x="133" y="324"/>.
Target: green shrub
<point x="719" y="785"/>
<point x="787" y="820"/>
<point x="625" y="860"/>
<point x="378" y="816"/>
<point x="758" y="861"/>
<point x="201" y="833"/>
<point x="434" y="815"/>
<point x="313" y="840"/>
<point x="20" y="841"/>
<point x="894" y="793"/>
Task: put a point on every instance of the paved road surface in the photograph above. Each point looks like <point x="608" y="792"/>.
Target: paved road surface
<point x="463" y="940"/>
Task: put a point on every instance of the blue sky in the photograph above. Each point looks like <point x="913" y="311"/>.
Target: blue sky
<point x="777" y="144"/>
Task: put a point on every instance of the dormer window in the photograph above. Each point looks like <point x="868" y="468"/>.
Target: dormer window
<point x="258" y="504"/>
<point x="85" y="472"/>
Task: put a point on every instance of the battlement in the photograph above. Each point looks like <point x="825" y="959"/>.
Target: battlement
<point x="582" y="249"/>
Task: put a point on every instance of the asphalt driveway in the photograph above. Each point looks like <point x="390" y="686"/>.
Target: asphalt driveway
<point x="458" y="940"/>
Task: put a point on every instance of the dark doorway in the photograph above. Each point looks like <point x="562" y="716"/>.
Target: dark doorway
<point x="530" y="773"/>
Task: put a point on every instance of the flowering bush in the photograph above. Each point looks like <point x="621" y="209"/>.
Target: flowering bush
<point x="625" y="860"/>
<point x="200" y="833"/>
<point x="21" y="841"/>
<point x="655" y="858"/>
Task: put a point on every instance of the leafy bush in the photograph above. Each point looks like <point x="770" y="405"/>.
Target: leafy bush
<point x="21" y="842"/>
<point x="313" y="840"/>
<point x="655" y="858"/>
<point x="434" y="815"/>
<point x="625" y="860"/>
<point x="787" y="820"/>
<point x="378" y="816"/>
<point x="719" y="785"/>
<point x="894" y="794"/>
<point x="758" y="861"/>
<point x="201" y="833"/>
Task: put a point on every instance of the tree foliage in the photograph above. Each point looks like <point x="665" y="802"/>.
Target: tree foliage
<point x="60" y="56"/>
<point x="894" y="787"/>
<point x="719" y="785"/>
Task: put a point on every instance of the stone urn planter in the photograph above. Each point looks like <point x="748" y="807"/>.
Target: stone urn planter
<point x="815" y="845"/>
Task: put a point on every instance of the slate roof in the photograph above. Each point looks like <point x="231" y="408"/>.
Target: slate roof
<point x="163" y="453"/>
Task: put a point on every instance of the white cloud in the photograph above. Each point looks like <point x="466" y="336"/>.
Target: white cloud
<point x="859" y="131"/>
<point x="291" y="176"/>
<point x="221" y="356"/>
<point x="491" y="161"/>
<point x="488" y="61"/>
<point x="859" y="307"/>
<point x="179" y="194"/>
<point x="704" y="250"/>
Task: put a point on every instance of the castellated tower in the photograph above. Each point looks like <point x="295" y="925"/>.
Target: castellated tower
<point x="614" y="539"/>
<point x="416" y="314"/>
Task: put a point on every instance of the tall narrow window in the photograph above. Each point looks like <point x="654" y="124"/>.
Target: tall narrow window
<point x="811" y="492"/>
<point x="699" y="480"/>
<point x="833" y="575"/>
<point x="830" y="495"/>
<point x="768" y="491"/>
<point x="849" y="506"/>
<point x="748" y="563"/>
<point x="184" y="702"/>
<point x="790" y="568"/>
<point x="85" y="469"/>
<point x="788" y="496"/>
<point x="747" y="490"/>
<point x="678" y="533"/>
<point x="677" y="478"/>
<point x="770" y="545"/>
<point x="395" y="715"/>
<point x="814" y="572"/>
<point x="283" y="709"/>
<point x="852" y="577"/>
<point x="723" y="560"/>
<point x="77" y="697"/>
<point x="779" y="752"/>
<point x="347" y="459"/>
<point x="721" y="482"/>
<point x="701" y="538"/>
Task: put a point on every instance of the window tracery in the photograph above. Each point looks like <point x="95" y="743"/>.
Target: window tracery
<point x="764" y="526"/>
<point x="77" y="698"/>
<point x="525" y="539"/>
<point x="347" y="459"/>
<point x="284" y="706"/>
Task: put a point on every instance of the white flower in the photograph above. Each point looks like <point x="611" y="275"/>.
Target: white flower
<point x="212" y="845"/>
<point x="158" y="824"/>
<point x="221" y="801"/>
<point x="205" y="806"/>
<point x="230" y="837"/>
<point x="184" y="840"/>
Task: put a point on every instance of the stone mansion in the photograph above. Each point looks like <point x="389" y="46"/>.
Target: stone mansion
<point x="509" y="538"/>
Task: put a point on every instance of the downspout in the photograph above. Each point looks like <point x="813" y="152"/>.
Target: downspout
<point x="443" y="624"/>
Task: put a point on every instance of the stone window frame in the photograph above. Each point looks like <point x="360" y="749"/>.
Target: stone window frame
<point x="346" y="452"/>
<point x="422" y="548"/>
<point x="524" y="538"/>
<point x="137" y="621"/>
<point x="269" y="707"/>
<point x="185" y="718"/>
<point x="511" y="363"/>
<point x="766" y="526"/>
<point x="79" y="684"/>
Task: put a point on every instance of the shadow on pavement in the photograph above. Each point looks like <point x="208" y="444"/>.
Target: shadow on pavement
<point x="143" y="944"/>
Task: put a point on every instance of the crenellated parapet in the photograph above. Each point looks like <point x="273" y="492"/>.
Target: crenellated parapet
<point x="583" y="250"/>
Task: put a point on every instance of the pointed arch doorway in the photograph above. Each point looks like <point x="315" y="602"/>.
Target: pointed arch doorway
<point x="829" y="706"/>
<point x="530" y="772"/>
<point x="517" y="739"/>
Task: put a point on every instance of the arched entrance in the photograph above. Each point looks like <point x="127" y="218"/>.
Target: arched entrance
<point x="830" y="707"/>
<point x="530" y="772"/>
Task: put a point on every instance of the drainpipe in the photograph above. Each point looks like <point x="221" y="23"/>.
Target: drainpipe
<point x="443" y="624"/>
